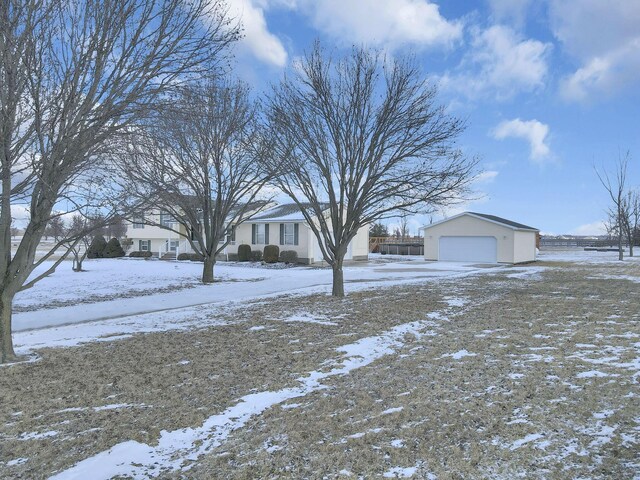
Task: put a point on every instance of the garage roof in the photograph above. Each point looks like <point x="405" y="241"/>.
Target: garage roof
<point x="490" y="218"/>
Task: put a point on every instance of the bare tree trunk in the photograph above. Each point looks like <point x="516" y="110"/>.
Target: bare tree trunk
<point x="207" y="269"/>
<point x="620" y="252"/>
<point x="77" y="263"/>
<point x="338" y="278"/>
<point x="7" y="353"/>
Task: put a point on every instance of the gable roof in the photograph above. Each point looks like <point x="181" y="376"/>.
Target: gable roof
<point x="504" y="221"/>
<point x="288" y="212"/>
<point x="491" y="218"/>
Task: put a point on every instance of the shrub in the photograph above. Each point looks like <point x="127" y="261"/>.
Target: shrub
<point x="113" y="249"/>
<point x="244" y="253"/>
<point x="271" y="253"/>
<point x="140" y="254"/>
<point x="289" y="256"/>
<point x="194" y="257"/>
<point x="97" y="247"/>
<point x="256" y="255"/>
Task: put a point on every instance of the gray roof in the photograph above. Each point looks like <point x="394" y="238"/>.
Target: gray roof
<point x="504" y="221"/>
<point x="290" y="211"/>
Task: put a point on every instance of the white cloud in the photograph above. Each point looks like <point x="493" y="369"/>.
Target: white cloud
<point x="604" y="37"/>
<point x="500" y="62"/>
<point x="387" y="24"/>
<point x="258" y="40"/>
<point x="595" y="228"/>
<point x="532" y="131"/>
<point x="510" y="11"/>
<point x="605" y="74"/>
<point x="487" y="176"/>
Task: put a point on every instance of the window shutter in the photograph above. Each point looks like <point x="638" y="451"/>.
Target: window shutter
<point x="253" y="233"/>
<point x="139" y="245"/>
<point x="295" y="234"/>
<point x="266" y="234"/>
<point x="282" y="234"/>
<point x="233" y="233"/>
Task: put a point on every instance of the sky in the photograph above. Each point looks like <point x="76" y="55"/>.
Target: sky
<point x="549" y="89"/>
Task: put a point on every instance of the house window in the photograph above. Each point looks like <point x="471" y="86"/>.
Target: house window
<point x="172" y="245"/>
<point x="260" y="233"/>
<point x="138" y="222"/>
<point x="166" y="220"/>
<point x="144" y="245"/>
<point x="288" y="234"/>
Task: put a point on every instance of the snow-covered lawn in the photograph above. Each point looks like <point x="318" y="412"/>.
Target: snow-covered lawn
<point x="425" y="370"/>
<point x="111" y="288"/>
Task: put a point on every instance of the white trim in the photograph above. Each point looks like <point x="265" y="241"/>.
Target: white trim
<point x="479" y="218"/>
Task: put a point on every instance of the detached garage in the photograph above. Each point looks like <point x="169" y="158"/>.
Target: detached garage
<point x="479" y="238"/>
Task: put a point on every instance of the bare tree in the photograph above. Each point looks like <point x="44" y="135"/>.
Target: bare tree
<point x="83" y="227"/>
<point x="74" y="75"/>
<point x="366" y="135"/>
<point x="199" y="159"/>
<point x="619" y="211"/>
<point x="404" y="226"/>
<point x="631" y="217"/>
<point x="79" y="230"/>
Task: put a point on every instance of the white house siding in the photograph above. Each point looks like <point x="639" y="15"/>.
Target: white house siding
<point x="524" y="246"/>
<point x="468" y="226"/>
<point x="156" y="235"/>
<point x="244" y="232"/>
<point x="307" y="248"/>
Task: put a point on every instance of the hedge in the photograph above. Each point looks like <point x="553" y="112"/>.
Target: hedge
<point x="244" y="253"/>
<point x="271" y="253"/>
<point x="194" y="257"/>
<point x="140" y="254"/>
<point x="289" y="256"/>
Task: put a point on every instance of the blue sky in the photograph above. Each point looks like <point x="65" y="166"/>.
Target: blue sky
<point x="548" y="88"/>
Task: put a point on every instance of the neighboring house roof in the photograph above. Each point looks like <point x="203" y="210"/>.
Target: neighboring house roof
<point x="288" y="212"/>
<point x="491" y="218"/>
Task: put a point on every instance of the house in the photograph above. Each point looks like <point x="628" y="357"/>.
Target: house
<point x="479" y="238"/>
<point x="283" y="225"/>
<point x="145" y="233"/>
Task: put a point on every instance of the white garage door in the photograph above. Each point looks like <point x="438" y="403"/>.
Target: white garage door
<point x="469" y="249"/>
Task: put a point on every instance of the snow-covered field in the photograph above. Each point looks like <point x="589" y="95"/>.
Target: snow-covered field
<point x="425" y="370"/>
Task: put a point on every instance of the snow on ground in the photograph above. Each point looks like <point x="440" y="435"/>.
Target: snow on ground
<point x="307" y="318"/>
<point x="181" y="301"/>
<point x="108" y="330"/>
<point x="400" y="472"/>
<point x="112" y="279"/>
<point x="583" y="256"/>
